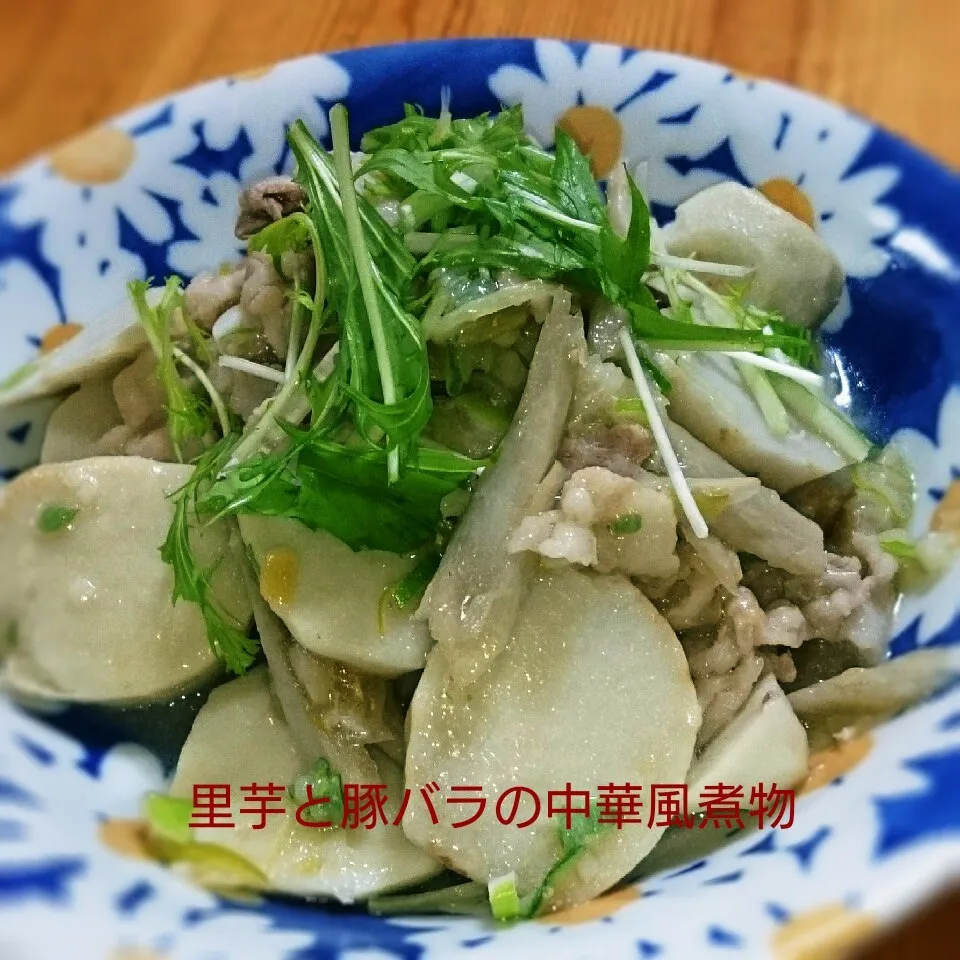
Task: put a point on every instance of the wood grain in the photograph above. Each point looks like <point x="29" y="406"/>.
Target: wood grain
<point x="66" y="64"/>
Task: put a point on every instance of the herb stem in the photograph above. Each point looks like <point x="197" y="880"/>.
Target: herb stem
<point x="820" y="416"/>
<point x="699" y="266"/>
<point x="260" y="370"/>
<point x="364" y="265"/>
<point x="684" y="496"/>
<point x="218" y="405"/>
<point x="257" y="437"/>
<point x="549" y="213"/>
<point x="293" y="345"/>
<point x="770" y="404"/>
<point x="788" y="370"/>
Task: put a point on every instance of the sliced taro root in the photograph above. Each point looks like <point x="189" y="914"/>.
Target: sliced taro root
<point x="241" y="737"/>
<point x="709" y="398"/>
<point x="535" y="719"/>
<point x="87" y="599"/>
<point x="765" y="744"/>
<point x="794" y="271"/>
<point x="332" y="598"/>
<point x="763" y="524"/>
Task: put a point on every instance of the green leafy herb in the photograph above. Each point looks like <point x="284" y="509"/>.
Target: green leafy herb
<point x="419" y="134"/>
<point x="574" y="841"/>
<point x="287" y="234"/>
<point x="324" y="782"/>
<point x="227" y="638"/>
<point x="188" y="415"/>
<point x="656" y="330"/>
<point x="54" y="517"/>
<point x="575" y="185"/>
<point x="382" y="366"/>
<point x="626" y="524"/>
<point x="404" y="593"/>
<point x="541" y="216"/>
<point x="347" y="492"/>
<point x="626" y="260"/>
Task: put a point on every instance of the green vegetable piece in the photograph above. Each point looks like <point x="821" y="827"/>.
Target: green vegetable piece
<point x="464" y="899"/>
<point x="407" y="591"/>
<point x="188" y="415"/>
<point x="820" y="416"/>
<point x="631" y="409"/>
<point x="899" y="544"/>
<point x="168" y="817"/>
<point x="288" y="233"/>
<point x="17" y="377"/>
<point x="504" y="899"/>
<point x="54" y="518"/>
<point x="324" y="782"/>
<point x="888" y="477"/>
<point x="469" y="424"/>
<point x="573" y="841"/>
<point x="346" y="491"/>
<point x="626" y="524"/>
<point x="711" y="503"/>
<point x="191" y="583"/>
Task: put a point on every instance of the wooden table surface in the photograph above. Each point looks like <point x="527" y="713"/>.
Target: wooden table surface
<point x="66" y="64"/>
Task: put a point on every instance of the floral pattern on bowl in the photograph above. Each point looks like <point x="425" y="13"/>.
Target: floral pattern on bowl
<point x="154" y="192"/>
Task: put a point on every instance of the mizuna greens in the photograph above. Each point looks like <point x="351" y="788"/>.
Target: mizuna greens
<point x="466" y="462"/>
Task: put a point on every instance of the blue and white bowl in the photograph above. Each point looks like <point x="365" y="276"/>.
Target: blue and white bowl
<point x="154" y="192"/>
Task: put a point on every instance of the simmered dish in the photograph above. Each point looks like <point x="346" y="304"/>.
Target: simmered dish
<point x="467" y="481"/>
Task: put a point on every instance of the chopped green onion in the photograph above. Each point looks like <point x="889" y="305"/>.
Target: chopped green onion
<point x="626" y="524"/>
<point x="324" y="781"/>
<point x="504" y="899"/>
<point x="169" y="817"/>
<point x="771" y="406"/>
<point x="815" y="412"/>
<point x="631" y="408"/>
<point x="889" y="478"/>
<point x="54" y="518"/>
<point x="899" y="544"/>
<point x="920" y="557"/>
